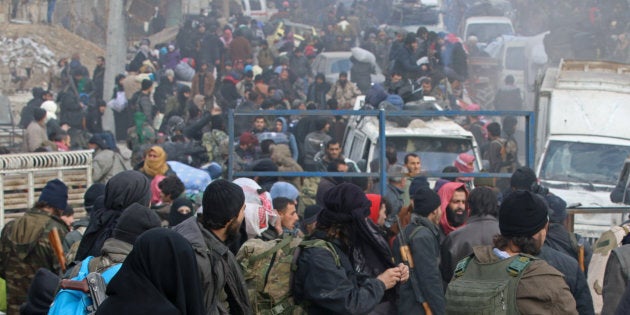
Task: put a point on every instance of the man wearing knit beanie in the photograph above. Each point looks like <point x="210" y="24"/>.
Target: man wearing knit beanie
<point x="539" y="288"/>
<point x="423" y="237"/>
<point x="223" y="213"/>
<point x="24" y="245"/>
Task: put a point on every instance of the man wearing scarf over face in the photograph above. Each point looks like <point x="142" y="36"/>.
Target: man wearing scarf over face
<point x="358" y="278"/>
<point x="455" y="211"/>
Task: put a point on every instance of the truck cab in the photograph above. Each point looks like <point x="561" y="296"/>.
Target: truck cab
<point x="581" y="138"/>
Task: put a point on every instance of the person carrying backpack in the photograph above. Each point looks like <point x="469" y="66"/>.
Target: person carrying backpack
<point x="355" y="274"/>
<point x="134" y="220"/>
<point x="223" y="287"/>
<point x="507" y="278"/>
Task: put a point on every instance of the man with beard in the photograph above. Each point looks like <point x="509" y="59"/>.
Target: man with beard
<point x="455" y="209"/>
<point x="224" y="288"/>
<point x="344" y="92"/>
<point x="354" y="272"/>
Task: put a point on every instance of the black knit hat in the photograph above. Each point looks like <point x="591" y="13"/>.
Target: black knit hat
<point x="558" y="206"/>
<point x="522" y="213"/>
<point x="55" y="194"/>
<point x="133" y="221"/>
<point x="425" y="201"/>
<point x="222" y="201"/>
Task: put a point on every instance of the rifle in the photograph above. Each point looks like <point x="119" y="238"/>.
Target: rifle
<point x="405" y="254"/>
<point x="55" y="242"/>
<point x="581" y="254"/>
<point x="92" y="284"/>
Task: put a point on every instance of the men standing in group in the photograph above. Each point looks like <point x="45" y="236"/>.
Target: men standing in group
<point x="455" y="211"/>
<point x="480" y="229"/>
<point x="423" y="236"/>
<point x="538" y="288"/>
<point x="224" y="288"/>
<point x="25" y="246"/>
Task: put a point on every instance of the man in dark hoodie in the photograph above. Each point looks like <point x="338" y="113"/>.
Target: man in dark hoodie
<point x="121" y="191"/>
<point x="224" y="288"/>
<point x="317" y="91"/>
<point x="26" y="116"/>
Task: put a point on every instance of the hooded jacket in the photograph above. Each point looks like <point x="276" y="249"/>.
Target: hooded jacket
<point x="121" y="191"/>
<point x="281" y="155"/>
<point x="446" y="192"/>
<point x="292" y="142"/>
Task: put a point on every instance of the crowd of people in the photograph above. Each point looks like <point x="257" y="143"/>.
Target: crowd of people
<point x="170" y="110"/>
<point x="428" y="257"/>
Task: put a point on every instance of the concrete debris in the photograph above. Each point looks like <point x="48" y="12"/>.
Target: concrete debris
<point x="24" y="52"/>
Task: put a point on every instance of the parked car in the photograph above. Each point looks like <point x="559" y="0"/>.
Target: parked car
<point x="334" y="62"/>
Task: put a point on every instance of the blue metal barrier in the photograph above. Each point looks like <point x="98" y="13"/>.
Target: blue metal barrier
<point x="530" y="125"/>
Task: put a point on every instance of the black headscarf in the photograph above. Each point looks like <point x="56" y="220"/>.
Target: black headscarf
<point x="159" y="276"/>
<point x="174" y="217"/>
<point x="121" y="191"/>
<point x="347" y="204"/>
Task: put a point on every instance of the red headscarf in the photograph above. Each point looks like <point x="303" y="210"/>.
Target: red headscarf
<point x="376" y="206"/>
<point x="446" y="192"/>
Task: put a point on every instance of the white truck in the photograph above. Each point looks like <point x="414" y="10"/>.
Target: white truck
<point x="581" y="138"/>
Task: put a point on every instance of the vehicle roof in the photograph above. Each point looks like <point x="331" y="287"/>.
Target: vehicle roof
<point x="335" y="54"/>
<point x="438" y="127"/>
<point x="488" y="19"/>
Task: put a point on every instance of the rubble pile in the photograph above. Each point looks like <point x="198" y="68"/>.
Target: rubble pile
<point x="26" y="53"/>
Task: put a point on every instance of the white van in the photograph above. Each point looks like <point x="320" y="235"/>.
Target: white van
<point x="258" y="9"/>
<point x="437" y="141"/>
<point x="487" y="28"/>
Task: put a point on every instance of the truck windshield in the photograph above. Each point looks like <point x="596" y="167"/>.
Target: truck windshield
<point x="583" y="162"/>
<point x="436" y="153"/>
<point x="487" y="32"/>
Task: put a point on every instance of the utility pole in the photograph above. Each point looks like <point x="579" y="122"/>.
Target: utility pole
<point x="116" y="55"/>
<point x="226" y="9"/>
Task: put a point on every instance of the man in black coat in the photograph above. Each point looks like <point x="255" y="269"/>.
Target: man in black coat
<point x="424" y="236"/>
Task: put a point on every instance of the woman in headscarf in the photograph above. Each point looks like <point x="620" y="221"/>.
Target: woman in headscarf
<point x="159" y="276"/>
<point x="181" y="209"/>
<point x="155" y="163"/>
<point x="122" y="190"/>
<point x="361" y="277"/>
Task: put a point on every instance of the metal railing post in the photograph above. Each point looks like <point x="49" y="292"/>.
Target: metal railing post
<point x="230" y="166"/>
<point x="383" y="146"/>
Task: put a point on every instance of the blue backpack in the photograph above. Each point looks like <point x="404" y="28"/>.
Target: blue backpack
<point x="75" y="302"/>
